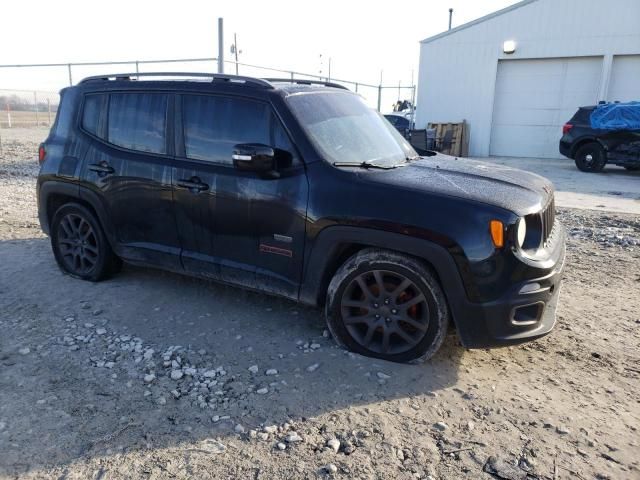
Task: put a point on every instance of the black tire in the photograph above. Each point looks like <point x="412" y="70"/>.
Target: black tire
<point x="591" y="157"/>
<point x="360" y="320"/>
<point x="80" y="246"/>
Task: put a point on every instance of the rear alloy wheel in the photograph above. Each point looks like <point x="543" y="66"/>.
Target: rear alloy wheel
<point x="387" y="305"/>
<point x="591" y="157"/>
<point x="79" y="245"/>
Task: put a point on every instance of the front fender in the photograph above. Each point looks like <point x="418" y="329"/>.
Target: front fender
<point x="331" y="241"/>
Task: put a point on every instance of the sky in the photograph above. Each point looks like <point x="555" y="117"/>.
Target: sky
<point x="362" y="38"/>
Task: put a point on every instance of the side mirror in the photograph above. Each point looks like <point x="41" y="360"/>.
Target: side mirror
<point x="253" y="157"/>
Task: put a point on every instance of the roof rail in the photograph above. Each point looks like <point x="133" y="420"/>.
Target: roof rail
<point x="304" y="81"/>
<point x="213" y="76"/>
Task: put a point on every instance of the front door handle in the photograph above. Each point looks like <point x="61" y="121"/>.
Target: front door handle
<point x="194" y="184"/>
<point x="103" y="168"/>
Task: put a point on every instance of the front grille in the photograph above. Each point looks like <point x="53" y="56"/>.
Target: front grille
<point x="548" y="217"/>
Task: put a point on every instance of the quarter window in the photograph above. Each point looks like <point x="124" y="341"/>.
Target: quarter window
<point x="137" y="121"/>
<point x="213" y="125"/>
<point x="91" y="113"/>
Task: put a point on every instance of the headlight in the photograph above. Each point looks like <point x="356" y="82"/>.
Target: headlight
<point x="522" y="231"/>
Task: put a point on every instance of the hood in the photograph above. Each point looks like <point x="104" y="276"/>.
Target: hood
<point x="515" y="190"/>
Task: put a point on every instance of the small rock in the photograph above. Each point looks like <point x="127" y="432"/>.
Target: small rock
<point x="313" y="368"/>
<point x="239" y="429"/>
<point x="281" y="446"/>
<point x="162" y="401"/>
<point x="262" y="391"/>
<point x="176" y="374"/>
<point x="212" y="446"/>
<point x="101" y="331"/>
<point x="271" y="429"/>
<point x="441" y="426"/>
<point x="3" y="425"/>
<point x="175" y="393"/>
<point x="470" y="425"/>
<point x="383" y="376"/>
<point x="88" y="325"/>
<point x="315" y="346"/>
<point x="562" y="430"/>
<point x="293" y="437"/>
<point x="24" y="351"/>
<point x="149" y="378"/>
<point x="326" y="334"/>
<point x="271" y="371"/>
<point x="334" y="444"/>
<point x="331" y="468"/>
<point x="263" y="436"/>
<point x="253" y="369"/>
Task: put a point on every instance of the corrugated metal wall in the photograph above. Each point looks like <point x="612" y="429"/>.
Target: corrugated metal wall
<point x="458" y="71"/>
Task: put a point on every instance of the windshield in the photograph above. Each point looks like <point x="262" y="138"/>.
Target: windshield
<point x="346" y="130"/>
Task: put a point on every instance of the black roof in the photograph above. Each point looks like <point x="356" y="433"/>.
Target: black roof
<point x="289" y="85"/>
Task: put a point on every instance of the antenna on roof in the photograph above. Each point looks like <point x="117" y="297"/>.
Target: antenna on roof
<point x="450" y="17"/>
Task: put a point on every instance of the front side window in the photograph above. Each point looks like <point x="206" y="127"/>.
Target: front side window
<point x="213" y="125"/>
<point x="137" y="121"/>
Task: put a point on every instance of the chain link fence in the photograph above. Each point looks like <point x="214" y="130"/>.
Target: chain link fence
<point x="51" y="77"/>
<point x="27" y="108"/>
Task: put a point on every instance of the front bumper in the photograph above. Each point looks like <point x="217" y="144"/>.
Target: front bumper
<point x="525" y="312"/>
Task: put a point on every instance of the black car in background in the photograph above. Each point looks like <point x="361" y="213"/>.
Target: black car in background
<point x="593" y="148"/>
<point x="298" y="189"/>
<point x="401" y="123"/>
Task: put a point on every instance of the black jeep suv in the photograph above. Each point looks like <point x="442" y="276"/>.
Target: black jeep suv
<point x="300" y="190"/>
<point x="593" y="148"/>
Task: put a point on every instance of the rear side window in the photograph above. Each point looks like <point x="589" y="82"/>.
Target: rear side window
<point x="137" y="121"/>
<point x="91" y="112"/>
<point x="213" y="125"/>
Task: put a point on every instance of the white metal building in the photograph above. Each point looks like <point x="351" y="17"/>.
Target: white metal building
<point x="567" y="53"/>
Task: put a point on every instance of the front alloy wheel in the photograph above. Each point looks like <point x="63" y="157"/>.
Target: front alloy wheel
<point x="387" y="305"/>
<point x="384" y="312"/>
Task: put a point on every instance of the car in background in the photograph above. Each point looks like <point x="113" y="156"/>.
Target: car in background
<point x="592" y="148"/>
<point x="401" y="123"/>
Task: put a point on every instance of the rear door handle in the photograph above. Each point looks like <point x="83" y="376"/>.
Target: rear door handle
<point x="102" y="168"/>
<point x="193" y="184"/>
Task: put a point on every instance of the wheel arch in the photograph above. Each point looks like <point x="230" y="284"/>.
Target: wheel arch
<point x="584" y="141"/>
<point x="54" y="194"/>
<point x="334" y="245"/>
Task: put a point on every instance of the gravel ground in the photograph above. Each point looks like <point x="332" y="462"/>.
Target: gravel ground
<point x="156" y="375"/>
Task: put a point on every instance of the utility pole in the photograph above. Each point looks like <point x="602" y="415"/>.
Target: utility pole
<point x="450" y="17"/>
<point x="235" y="50"/>
<point x="220" y="46"/>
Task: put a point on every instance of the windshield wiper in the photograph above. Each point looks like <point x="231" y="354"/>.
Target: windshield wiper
<point x="363" y="165"/>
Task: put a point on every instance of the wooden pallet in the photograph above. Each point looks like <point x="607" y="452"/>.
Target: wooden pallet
<point x="452" y="138"/>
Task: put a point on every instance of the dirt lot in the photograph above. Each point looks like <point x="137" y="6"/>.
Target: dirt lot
<point x="155" y="375"/>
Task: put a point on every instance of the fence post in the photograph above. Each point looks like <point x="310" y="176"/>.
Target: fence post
<point x="379" y="96"/>
<point x="70" y="77"/>
<point x="9" y="115"/>
<point x="35" y="101"/>
<point x="356" y="87"/>
<point x="49" y="112"/>
<point x="292" y="76"/>
<point x="137" y="71"/>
